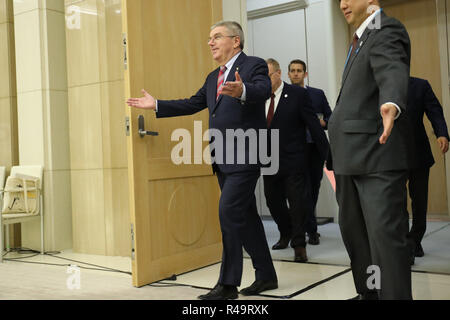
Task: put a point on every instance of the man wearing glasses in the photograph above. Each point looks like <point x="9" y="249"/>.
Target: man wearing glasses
<point x="235" y="96"/>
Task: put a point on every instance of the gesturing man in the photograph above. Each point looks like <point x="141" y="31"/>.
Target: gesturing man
<point x="235" y="96"/>
<point x="369" y="135"/>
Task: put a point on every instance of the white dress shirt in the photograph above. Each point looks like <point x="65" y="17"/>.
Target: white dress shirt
<point x="277" y="93"/>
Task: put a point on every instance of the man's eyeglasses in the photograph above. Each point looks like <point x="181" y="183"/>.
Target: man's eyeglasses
<point x="218" y="37"/>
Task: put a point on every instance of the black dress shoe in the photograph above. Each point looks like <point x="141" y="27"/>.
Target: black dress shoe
<point x="259" y="286"/>
<point x="281" y="244"/>
<point x="418" y="251"/>
<point x="314" y="239"/>
<point x="300" y="254"/>
<point x="221" y="292"/>
<point x="366" y="296"/>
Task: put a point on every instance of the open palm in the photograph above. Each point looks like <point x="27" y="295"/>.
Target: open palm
<point x="146" y="102"/>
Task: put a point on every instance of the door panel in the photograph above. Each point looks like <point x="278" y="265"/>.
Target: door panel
<point x="420" y="19"/>
<point x="174" y="208"/>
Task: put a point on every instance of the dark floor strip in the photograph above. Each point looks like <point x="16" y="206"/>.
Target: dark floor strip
<point x="308" y="287"/>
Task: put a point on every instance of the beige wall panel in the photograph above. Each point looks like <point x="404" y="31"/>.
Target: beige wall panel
<point x="28" y="39"/>
<point x="7" y="61"/>
<point x="111" y="48"/>
<point x="113" y="125"/>
<point x="419" y="17"/>
<point x="58" y="148"/>
<point x="88" y="211"/>
<point x="58" y="224"/>
<point x="83" y="47"/>
<point x="56" y="59"/>
<point x="117" y="217"/>
<point x="6" y="11"/>
<point x="85" y="122"/>
<point x="25" y="6"/>
<point x="31" y="128"/>
<point x="8" y="131"/>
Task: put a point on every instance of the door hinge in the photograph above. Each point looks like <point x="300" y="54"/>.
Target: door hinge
<point x="125" y="58"/>
<point x="127" y="126"/>
<point x="132" y="243"/>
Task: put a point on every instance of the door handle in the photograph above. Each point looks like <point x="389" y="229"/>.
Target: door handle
<point x="142" y="131"/>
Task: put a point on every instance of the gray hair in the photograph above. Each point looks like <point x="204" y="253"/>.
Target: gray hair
<point x="234" y="28"/>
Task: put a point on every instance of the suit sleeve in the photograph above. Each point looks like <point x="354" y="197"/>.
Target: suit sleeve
<point x="183" y="107"/>
<point x="434" y="112"/>
<point x="309" y="117"/>
<point x="326" y="110"/>
<point x="390" y="60"/>
<point x="258" y="87"/>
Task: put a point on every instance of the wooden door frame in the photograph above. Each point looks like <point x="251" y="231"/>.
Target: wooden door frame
<point x="441" y="13"/>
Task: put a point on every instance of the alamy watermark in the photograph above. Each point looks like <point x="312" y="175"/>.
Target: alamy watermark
<point x="374" y="280"/>
<point x="73" y="17"/>
<point x="375" y="23"/>
<point x="236" y="147"/>
<point x="73" y="281"/>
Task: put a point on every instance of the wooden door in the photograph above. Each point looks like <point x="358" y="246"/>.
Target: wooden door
<point x="420" y="19"/>
<point x="174" y="208"/>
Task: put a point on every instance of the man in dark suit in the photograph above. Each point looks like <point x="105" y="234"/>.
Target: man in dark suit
<point x="289" y="111"/>
<point x="235" y="95"/>
<point x="297" y="74"/>
<point x="422" y="100"/>
<point x="369" y="133"/>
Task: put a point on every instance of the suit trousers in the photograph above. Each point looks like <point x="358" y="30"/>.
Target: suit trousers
<point x="315" y="165"/>
<point x="242" y="227"/>
<point x="418" y="191"/>
<point x="374" y="227"/>
<point x="290" y="220"/>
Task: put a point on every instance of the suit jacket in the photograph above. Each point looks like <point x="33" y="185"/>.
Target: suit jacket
<point x="422" y="100"/>
<point x="320" y="105"/>
<point x="377" y="73"/>
<point x="229" y="113"/>
<point x="293" y="114"/>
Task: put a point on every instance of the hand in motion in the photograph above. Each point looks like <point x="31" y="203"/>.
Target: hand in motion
<point x="388" y="113"/>
<point x="146" y="102"/>
<point x="443" y="144"/>
<point x="233" y="88"/>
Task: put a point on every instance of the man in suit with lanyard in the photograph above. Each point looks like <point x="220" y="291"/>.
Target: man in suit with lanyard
<point x="235" y="95"/>
<point x="369" y="133"/>
<point x="297" y="74"/>
<point x="422" y="100"/>
<point x="289" y="111"/>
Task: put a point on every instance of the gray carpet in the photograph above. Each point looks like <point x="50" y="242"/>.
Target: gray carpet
<point x="436" y="245"/>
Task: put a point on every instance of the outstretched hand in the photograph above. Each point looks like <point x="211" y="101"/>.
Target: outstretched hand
<point x="146" y="102"/>
<point x="233" y="88"/>
<point x="388" y="113"/>
<point x="443" y="144"/>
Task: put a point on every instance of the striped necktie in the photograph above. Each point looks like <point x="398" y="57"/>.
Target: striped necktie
<point x="220" y="81"/>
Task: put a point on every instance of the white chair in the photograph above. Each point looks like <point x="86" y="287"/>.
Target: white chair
<point x="28" y="173"/>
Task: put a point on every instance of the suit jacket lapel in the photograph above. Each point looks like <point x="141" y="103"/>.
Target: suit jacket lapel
<point x="237" y="66"/>
<point x="212" y="88"/>
<point x="359" y="46"/>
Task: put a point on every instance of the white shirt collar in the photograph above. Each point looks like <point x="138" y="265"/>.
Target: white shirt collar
<point x="366" y="23"/>
<point x="230" y="63"/>
<point x="279" y="90"/>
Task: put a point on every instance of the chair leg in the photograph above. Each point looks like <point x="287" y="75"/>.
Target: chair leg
<point x="42" y="226"/>
<point x="1" y="239"/>
<point x="8" y="249"/>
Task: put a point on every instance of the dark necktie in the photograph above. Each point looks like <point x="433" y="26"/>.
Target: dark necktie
<point x="355" y="43"/>
<point x="271" y="110"/>
<point x="220" y="81"/>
